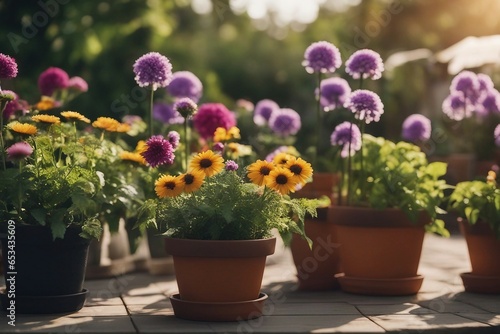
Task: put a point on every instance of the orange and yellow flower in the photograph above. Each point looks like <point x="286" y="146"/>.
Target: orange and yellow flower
<point x="282" y="158"/>
<point x="301" y="169"/>
<point x="23" y="128"/>
<point x="46" y="119"/>
<point x="168" y="186"/>
<point x="258" y="172"/>
<point x="106" y="123"/>
<point x="208" y="162"/>
<point x="133" y="156"/>
<point x="46" y="103"/>
<point x="192" y="180"/>
<point x="281" y="180"/>
<point x="222" y="135"/>
<point x="74" y="115"/>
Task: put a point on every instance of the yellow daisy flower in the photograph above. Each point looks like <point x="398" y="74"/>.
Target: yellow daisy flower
<point x="208" y="162"/>
<point x="46" y="103"/>
<point x="46" y="119"/>
<point x="301" y="169"/>
<point x="282" y="158"/>
<point x="258" y="172"/>
<point x="123" y="127"/>
<point x="192" y="180"/>
<point x="106" y="123"/>
<point x="141" y="146"/>
<point x="168" y="186"/>
<point x="133" y="156"/>
<point x="281" y="180"/>
<point x="234" y="133"/>
<point x="222" y="135"/>
<point x="74" y="115"/>
<point x="23" y="128"/>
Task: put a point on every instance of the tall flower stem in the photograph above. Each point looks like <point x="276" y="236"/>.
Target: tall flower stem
<point x="317" y="140"/>
<point x="186" y="145"/>
<point x="151" y="113"/>
<point x="2" y="144"/>
<point x="349" y="167"/>
<point x="362" y="125"/>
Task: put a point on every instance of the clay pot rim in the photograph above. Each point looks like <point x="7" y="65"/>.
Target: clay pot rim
<point x="372" y="217"/>
<point x="220" y="248"/>
<point x="481" y="227"/>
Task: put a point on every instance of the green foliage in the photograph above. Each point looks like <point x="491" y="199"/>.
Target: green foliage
<point x="228" y="208"/>
<point x="477" y="201"/>
<point x="398" y="175"/>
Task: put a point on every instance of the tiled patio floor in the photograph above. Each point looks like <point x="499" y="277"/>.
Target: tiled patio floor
<point x="138" y="303"/>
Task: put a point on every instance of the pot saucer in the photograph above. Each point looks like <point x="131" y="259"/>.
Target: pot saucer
<point x="480" y="284"/>
<point x="380" y="286"/>
<point x="218" y="311"/>
<point x="45" y="304"/>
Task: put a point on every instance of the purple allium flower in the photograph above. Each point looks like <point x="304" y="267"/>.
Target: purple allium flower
<point x="231" y="165"/>
<point x="218" y="147"/>
<point x="285" y="122"/>
<point x="210" y="116"/>
<point x="485" y="82"/>
<point x="343" y="134"/>
<point x="186" y="107"/>
<point x="78" y="84"/>
<point x="19" y="151"/>
<point x="8" y="67"/>
<point x="174" y="138"/>
<point x="51" y="80"/>
<point x="263" y="110"/>
<point x="365" y="64"/>
<point x="468" y="84"/>
<point x="322" y="57"/>
<point x="159" y="151"/>
<point x="185" y="84"/>
<point x="416" y="128"/>
<point x="490" y="103"/>
<point x="334" y="93"/>
<point x="497" y="135"/>
<point x="366" y="105"/>
<point x="456" y="107"/>
<point x="166" y="114"/>
<point x="153" y="69"/>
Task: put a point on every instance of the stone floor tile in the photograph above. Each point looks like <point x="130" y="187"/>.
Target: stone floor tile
<point x="405" y="308"/>
<point x="169" y="324"/>
<point x="487" y="318"/>
<point x="313" y="309"/>
<point x="424" y="322"/>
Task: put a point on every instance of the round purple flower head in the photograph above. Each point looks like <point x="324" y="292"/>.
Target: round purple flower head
<point x="19" y="151"/>
<point x="153" y="69"/>
<point x="78" y="84"/>
<point x="490" y="103"/>
<point x="485" y="82"/>
<point x="210" y="116"/>
<point x="185" y="107"/>
<point x="158" y="152"/>
<point x="323" y="57"/>
<point x="263" y="110"/>
<point x="365" y="64"/>
<point x="366" y="105"/>
<point x="12" y="106"/>
<point x="185" y="84"/>
<point x="285" y="122"/>
<point x="456" y="107"/>
<point x="416" y="128"/>
<point x="174" y="138"/>
<point x="343" y="134"/>
<point x="497" y="135"/>
<point x="218" y="147"/>
<point x="8" y="67"/>
<point x="334" y="93"/>
<point x="166" y="114"/>
<point x="231" y="165"/>
<point x="51" y="80"/>
<point x="465" y="82"/>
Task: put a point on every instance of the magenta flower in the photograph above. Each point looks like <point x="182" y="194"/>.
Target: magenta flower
<point x="322" y="57"/>
<point x="416" y="128"/>
<point x="365" y="64"/>
<point x="8" y="67"/>
<point x="185" y="107"/>
<point x="218" y="147"/>
<point x="263" y="111"/>
<point x="52" y="79"/>
<point x="19" y="151"/>
<point x="334" y="93"/>
<point x="185" y="84"/>
<point x="210" y="116"/>
<point x="165" y="113"/>
<point x="285" y="122"/>
<point x="159" y="151"/>
<point x="231" y="165"/>
<point x="14" y="105"/>
<point x="174" y="138"/>
<point x="346" y="133"/>
<point x="78" y="84"/>
<point x="497" y="135"/>
<point x="366" y="105"/>
<point x="153" y="69"/>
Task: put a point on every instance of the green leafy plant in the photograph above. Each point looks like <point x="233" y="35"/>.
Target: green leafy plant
<point x="478" y="200"/>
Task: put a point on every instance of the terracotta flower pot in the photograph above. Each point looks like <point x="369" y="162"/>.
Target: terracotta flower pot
<point x="323" y="184"/>
<point x="379" y="250"/>
<point x="484" y="254"/>
<point x="218" y="273"/>
<point x="317" y="267"/>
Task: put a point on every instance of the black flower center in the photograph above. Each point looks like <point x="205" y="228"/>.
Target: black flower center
<point x="205" y="163"/>
<point x="188" y="179"/>
<point x="296" y="169"/>
<point x="281" y="179"/>
<point x="170" y="185"/>
<point x="265" y="170"/>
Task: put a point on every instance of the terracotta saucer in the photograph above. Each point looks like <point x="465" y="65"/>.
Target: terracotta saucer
<point x="206" y="311"/>
<point x="480" y="284"/>
<point x="380" y="287"/>
<point x="45" y="304"/>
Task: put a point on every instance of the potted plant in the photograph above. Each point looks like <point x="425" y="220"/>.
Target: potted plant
<point x="385" y="188"/>
<point x="217" y="219"/>
<point x="477" y="204"/>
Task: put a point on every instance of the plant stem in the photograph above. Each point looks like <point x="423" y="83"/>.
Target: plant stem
<point x="187" y="143"/>
<point x="2" y="145"/>
<point x="318" y="123"/>
<point x="151" y="113"/>
<point x="349" y="167"/>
